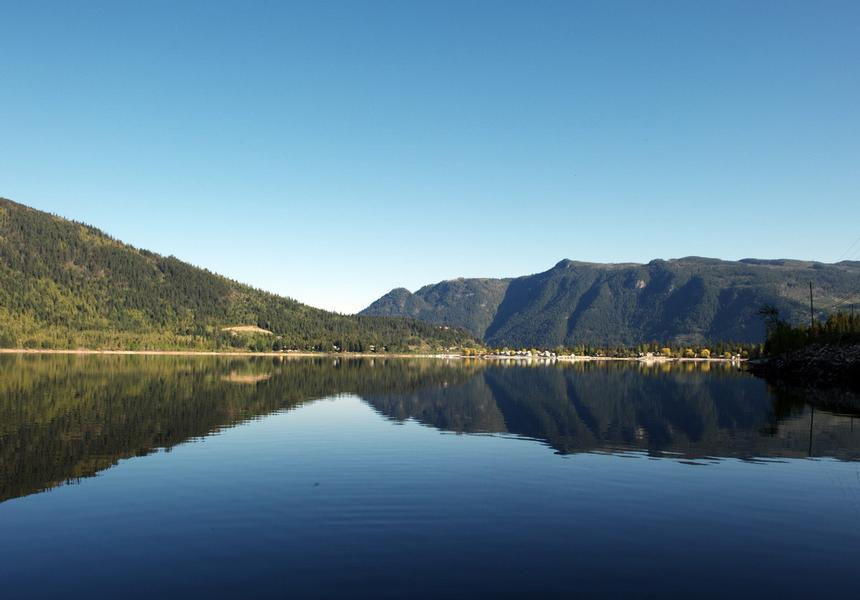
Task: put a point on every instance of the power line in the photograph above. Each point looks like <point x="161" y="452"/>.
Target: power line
<point x="840" y="302"/>
<point x="850" y="254"/>
<point x="850" y="248"/>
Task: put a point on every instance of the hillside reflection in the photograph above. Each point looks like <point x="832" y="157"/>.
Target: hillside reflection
<point x="67" y="417"/>
<point x="687" y="410"/>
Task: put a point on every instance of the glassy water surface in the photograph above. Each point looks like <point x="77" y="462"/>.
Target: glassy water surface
<point x="178" y="476"/>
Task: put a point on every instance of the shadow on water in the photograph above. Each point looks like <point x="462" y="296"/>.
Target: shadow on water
<point x="63" y="418"/>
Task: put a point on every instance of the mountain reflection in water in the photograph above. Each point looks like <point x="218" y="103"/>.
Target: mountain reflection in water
<point x="67" y="417"/>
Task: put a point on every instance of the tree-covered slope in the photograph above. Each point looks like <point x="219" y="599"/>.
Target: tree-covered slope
<point x="64" y="285"/>
<point x="691" y="300"/>
<point x="467" y="303"/>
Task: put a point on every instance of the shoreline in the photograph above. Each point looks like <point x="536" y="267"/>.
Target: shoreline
<point x="816" y="365"/>
<point x="307" y="354"/>
<point x="301" y="354"/>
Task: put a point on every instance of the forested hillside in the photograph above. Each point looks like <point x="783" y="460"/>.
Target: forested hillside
<point x="688" y="300"/>
<point x="470" y="303"/>
<point x="67" y="285"/>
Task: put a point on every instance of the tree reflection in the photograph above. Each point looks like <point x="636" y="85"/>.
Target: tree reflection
<point x="67" y="417"/>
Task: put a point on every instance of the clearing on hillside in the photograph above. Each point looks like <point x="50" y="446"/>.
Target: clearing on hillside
<point x="237" y="329"/>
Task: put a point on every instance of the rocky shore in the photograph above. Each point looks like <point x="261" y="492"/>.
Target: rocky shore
<point x="815" y="365"/>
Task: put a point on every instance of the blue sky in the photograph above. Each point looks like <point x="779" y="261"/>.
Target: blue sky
<point x="333" y="151"/>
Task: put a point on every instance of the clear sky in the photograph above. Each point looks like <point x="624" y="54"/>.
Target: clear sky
<point x="333" y="151"/>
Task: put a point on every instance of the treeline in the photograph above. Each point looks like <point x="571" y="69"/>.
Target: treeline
<point x="841" y="328"/>
<point x="67" y="285"/>
<point x="668" y="350"/>
<point x="719" y="349"/>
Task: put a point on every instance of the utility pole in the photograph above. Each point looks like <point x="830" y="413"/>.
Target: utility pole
<point x="811" y="311"/>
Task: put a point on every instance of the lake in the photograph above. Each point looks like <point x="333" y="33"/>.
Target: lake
<point x="160" y="476"/>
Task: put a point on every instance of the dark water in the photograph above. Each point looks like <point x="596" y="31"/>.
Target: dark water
<point x="147" y="477"/>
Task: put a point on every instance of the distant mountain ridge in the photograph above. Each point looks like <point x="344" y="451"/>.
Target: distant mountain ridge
<point x="67" y="285"/>
<point x="471" y="303"/>
<point x="692" y="299"/>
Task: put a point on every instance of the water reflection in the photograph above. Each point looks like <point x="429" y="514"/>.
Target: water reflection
<point x="68" y="417"/>
<point x="680" y="410"/>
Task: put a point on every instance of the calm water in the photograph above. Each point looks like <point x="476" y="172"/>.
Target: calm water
<point x="171" y="477"/>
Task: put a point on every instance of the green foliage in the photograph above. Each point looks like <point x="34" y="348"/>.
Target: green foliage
<point x="68" y="285"/>
<point x="841" y="328"/>
<point x="722" y="350"/>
